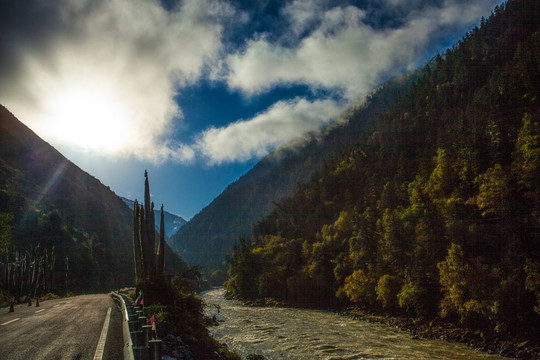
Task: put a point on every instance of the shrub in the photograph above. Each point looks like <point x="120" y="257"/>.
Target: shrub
<point x="49" y="296"/>
<point x="255" y="357"/>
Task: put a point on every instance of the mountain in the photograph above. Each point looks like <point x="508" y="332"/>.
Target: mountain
<point x="434" y="213"/>
<point x="209" y="236"/>
<point x="54" y="214"/>
<point x="172" y="222"/>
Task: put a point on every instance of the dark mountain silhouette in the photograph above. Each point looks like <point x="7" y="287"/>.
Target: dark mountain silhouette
<point x="55" y="209"/>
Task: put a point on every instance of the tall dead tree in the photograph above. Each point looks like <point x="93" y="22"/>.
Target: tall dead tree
<point x="149" y="256"/>
<point x="137" y="243"/>
<point x="161" y="245"/>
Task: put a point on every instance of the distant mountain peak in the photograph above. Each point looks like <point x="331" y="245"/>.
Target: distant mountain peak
<point x="172" y="222"/>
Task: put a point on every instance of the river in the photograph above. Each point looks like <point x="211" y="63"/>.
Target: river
<point x="289" y="333"/>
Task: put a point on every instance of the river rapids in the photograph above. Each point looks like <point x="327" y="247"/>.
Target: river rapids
<point x="289" y="333"/>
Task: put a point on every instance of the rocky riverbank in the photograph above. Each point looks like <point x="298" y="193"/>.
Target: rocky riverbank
<point x="518" y="347"/>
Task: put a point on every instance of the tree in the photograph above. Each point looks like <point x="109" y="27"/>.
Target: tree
<point x="469" y="289"/>
<point x="527" y="160"/>
<point x="359" y="288"/>
<point x="454" y="273"/>
<point x="532" y="283"/>
<point x="441" y="180"/>
<point x="387" y="290"/>
<point x="6" y="220"/>
<point x="494" y="193"/>
<point x="243" y="271"/>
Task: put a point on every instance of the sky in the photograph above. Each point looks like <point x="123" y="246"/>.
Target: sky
<point x="198" y="91"/>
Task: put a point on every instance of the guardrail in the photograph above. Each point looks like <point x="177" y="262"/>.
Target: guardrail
<point x="137" y="332"/>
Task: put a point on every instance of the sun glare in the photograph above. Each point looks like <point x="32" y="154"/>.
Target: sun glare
<point x="88" y="117"/>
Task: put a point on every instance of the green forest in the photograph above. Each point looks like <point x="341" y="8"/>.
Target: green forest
<point x="434" y="213"/>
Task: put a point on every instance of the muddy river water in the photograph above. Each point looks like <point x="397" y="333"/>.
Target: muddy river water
<point x="288" y="333"/>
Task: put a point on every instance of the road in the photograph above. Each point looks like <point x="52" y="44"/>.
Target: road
<point x="68" y="328"/>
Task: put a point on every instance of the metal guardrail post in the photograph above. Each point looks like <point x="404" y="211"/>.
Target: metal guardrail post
<point x="137" y="337"/>
<point x="156" y="349"/>
<point x="141" y="352"/>
<point x="137" y="334"/>
<point x="134" y="325"/>
<point x="143" y="320"/>
<point x="147" y="331"/>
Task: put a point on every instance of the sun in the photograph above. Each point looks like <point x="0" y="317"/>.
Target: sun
<point x="89" y="116"/>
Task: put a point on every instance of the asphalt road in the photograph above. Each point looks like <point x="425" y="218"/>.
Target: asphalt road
<point x="68" y="328"/>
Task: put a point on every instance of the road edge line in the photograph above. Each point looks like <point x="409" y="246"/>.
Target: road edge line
<point x="103" y="337"/>
<point x="9" y="322"/>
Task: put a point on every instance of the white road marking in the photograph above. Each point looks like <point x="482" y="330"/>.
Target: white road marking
<point x="40" y="311"/>
<point x="9" y="322"/>
<point x="101" y="343"/>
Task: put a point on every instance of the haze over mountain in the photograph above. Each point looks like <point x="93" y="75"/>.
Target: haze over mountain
<point x="209" y="236"/>
<point x="50" y="207"/>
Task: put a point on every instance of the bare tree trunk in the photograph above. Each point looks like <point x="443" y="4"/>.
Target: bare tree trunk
<point x="45" y="277"/>
<point x="27" y="274"/>
<point x="161" y="246"/>
<point x="39" y="265"/>
<point x="52" y="262"/>
<point x="137" y="243"/>
<point x="151" y="221"/>
<point x="3" y="272"/>
<point x="144" y="247"/>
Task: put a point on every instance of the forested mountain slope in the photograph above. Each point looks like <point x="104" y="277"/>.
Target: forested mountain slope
<point x="209" y="236"/>
<point x="435" y="212"/>
<point x="56" y="215"/>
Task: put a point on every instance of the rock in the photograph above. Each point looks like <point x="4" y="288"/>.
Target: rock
<point x="179" y="340"/>
<point x="504" y="348"/>
<point x="190" y="339"/>
<point x="524" y="354"/>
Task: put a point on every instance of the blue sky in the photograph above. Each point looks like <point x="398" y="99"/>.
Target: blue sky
<point x="198" y="91"/>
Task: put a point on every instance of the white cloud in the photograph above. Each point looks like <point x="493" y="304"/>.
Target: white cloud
<point x="280" y="123"/>
<point x="343" y="52"/>
<point x="105" y="78"/>
<point x="303" y="14"/>
<point x="102" y="75"/>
